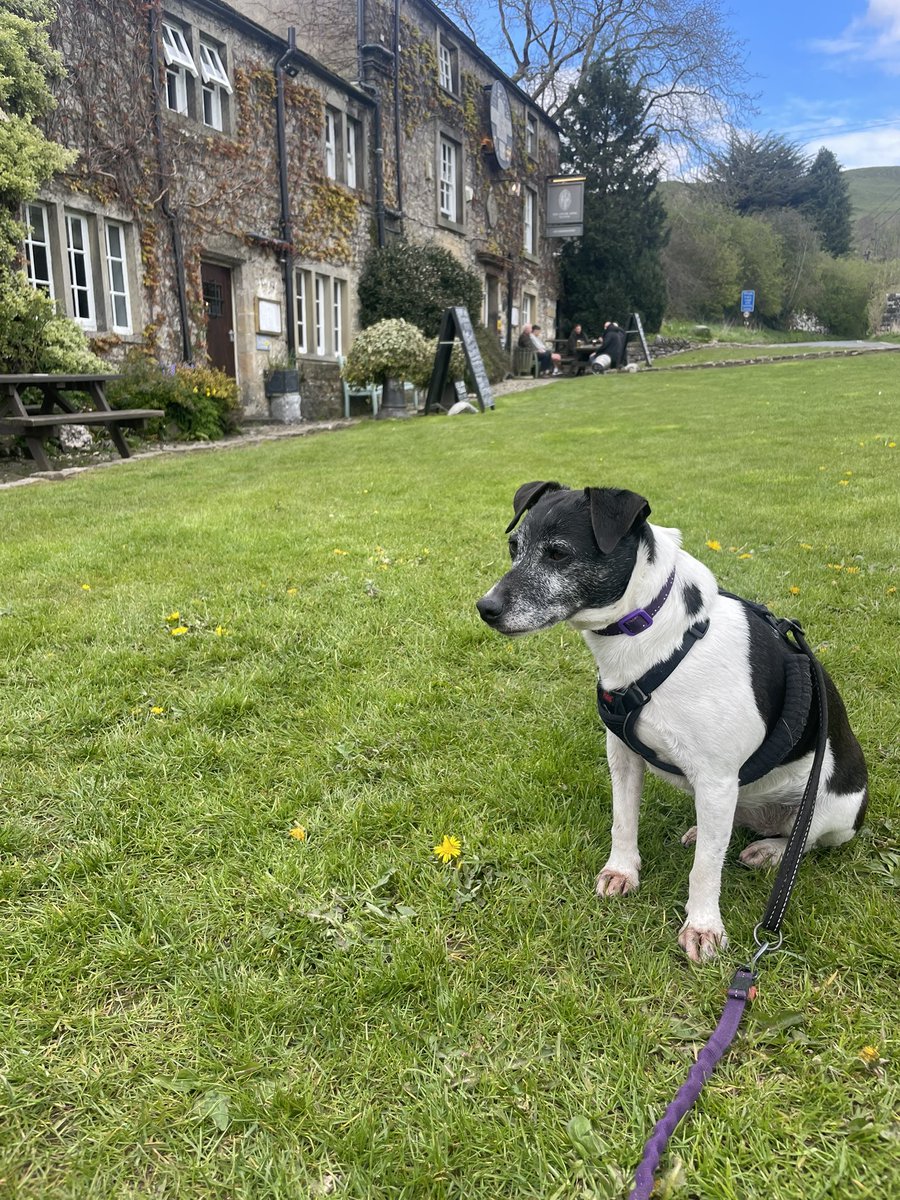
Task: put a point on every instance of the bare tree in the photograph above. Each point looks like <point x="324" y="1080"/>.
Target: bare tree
<point x="681" y="55"/>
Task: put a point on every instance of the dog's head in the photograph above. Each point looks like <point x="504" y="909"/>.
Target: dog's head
<point x="571" y="551"/>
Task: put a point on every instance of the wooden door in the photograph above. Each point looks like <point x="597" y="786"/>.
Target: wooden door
<point x="216" y="282"/>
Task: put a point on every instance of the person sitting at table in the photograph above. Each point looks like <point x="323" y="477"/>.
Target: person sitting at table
<point x="548" y="361"/>
<point x="611" y="351"/>
<point x="576" y="337"/>
<point x="524" y="342"/>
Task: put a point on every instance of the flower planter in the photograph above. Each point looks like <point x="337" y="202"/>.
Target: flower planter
<point x="282" y="381"/>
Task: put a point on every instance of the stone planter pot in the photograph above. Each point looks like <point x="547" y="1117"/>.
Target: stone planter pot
<point x="286" y="408"/>
<point x="393" y="400"/>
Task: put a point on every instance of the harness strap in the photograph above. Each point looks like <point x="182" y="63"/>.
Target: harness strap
<point x="619" y="710"/>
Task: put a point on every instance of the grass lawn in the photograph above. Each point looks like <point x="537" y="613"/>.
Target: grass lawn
<point x="203" y="656"/>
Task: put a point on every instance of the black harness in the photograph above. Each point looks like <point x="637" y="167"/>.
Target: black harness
<point x="619" y="709"/>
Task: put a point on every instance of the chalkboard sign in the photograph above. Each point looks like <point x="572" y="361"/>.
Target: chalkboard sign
<point x="456" y="323"/>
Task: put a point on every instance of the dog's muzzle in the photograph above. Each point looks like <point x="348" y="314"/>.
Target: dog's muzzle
<point x="490" y="607"/>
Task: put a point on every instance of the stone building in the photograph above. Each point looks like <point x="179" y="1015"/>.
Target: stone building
<point x="230" y="182"/>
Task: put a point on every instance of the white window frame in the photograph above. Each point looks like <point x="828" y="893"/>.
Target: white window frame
<point x="211" y="106"/>
<point x="119" y="260"/>
<point x="337" y="315"/>
<point x="331" y="119"/>
<point x="530" y="135"/>
<point x="175" y="48"/>
<point x="75" y="255"/>
<point x="32" y="243"/>
<point x="353" y="136"/>
<point x="529" y="308"/>
<point x="178" y="92"/>
<point x="529" y="221"/>
<point x="302" y="314"/>
<point x="447" y="64"/>
<point x="448" y="177"/>
<point x="320" y="304"/>
<point x="212" y="69"/>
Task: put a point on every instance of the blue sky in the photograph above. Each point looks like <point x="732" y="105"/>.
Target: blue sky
<point x="827" y="74"/>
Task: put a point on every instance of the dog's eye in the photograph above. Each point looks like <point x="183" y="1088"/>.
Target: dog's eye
<point x="513" y="547"/>
<point x="557" y="553"/>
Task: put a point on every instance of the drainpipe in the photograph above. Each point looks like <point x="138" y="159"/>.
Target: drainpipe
<point x="397" y="142"/>
<point x="187" y="350"/>
<point x="378" y="133"/>
<point x="287" y="230"/>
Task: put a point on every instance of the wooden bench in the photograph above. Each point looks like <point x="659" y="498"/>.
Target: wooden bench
<point x="36" y="423"/>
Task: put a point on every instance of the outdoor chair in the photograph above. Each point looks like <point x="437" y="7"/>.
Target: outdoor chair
<point x="370" y="393"/>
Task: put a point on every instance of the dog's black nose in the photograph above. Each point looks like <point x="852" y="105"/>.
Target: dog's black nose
<point x="490" y="607"/>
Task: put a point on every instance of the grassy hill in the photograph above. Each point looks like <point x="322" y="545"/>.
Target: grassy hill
<point x="874" y="191"/>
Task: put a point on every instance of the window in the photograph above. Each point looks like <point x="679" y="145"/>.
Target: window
<point x="530" y="135"/>
<point x="528" y="219"/>
<point x="337" y="316"/>
<point x="179" y="65"/>
<point x="448" y="66"/>
<point x="117" y="278"/>
<point x="216" y="85"/>
<point x="81" y="287"/>
<point x="321" y="314"/>
<point x="37" y="248"/>
<point x="529" y="308"/>
<point x="331" y="121"/>
<point x="353" y="132"/>
<point x="449" y="173"/>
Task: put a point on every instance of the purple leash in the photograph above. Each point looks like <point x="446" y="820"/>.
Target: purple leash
<point x="742" y="988"/>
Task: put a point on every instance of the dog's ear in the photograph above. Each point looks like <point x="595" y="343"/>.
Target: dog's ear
<point x="614" y="512"/>
<point x="528" y="495"/>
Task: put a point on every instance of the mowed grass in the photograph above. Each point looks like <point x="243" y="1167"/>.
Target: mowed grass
<point x="196" y="1003"/>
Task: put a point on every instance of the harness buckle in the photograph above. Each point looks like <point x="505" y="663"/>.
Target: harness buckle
<point x="634" y="697"/>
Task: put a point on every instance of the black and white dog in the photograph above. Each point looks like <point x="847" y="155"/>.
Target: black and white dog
<point x="732" y="723"/>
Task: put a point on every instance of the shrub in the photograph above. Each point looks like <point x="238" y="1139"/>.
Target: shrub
<point x="34" y="337"/>
<point x="202" y="402"/>
<point x="415" y="283"/>
<point x="392" y="349"/>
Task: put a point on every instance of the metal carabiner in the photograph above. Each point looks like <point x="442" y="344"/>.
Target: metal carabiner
<point x="764" y="947"/>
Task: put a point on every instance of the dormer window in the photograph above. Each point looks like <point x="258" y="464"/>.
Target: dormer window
<point x="448" y="65"/>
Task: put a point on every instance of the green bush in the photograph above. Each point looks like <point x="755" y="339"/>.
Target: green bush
<point x="844" y="292"/>
<point x="392" y="349"/>
<point x="201" y="402"/>
<point x="415" y="283"/>
<point x="34" y="337"/>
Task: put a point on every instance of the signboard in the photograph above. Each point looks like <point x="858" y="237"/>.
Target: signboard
<point x="456" y="322"/>
<point x="501" y="126"/>
<point x="748" y="301"/>
<point x="565" y="206"/>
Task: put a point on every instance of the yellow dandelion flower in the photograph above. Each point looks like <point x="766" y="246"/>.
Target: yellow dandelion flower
<point x="853" y="570"/>
<point x="794" y="590"/>
<point x="174" y="616"/>
<point x="714" y="545"/>
<point x="891" y="591"/>
<point x="805" y="546"/>
<point x="298" y="833"/>
<point x="848" y="473"/>
<point x="745" y="556"/>
<point x="870" y="1054"/>
<point x="85" y="587"/>
<point x="156" y="710"/>
<point x="292" y="591"/>
<point x="336" y="551"/>
<point x="891" y="445"/>
<point x="221" y="631"/>
<point x="178" y="630"/>
<point x="448" y="849"/>
<point x="843" y="482"/>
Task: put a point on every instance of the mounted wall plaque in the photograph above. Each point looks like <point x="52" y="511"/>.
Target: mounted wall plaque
<point x="501" y="126"/>
<point x="268" y="316"/>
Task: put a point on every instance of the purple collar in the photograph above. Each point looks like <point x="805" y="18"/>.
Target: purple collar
<point x="642" y="618"/>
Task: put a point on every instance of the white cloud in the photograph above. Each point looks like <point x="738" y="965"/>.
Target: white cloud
<point x="873" y="37"/>
<point x="862" y="148"/>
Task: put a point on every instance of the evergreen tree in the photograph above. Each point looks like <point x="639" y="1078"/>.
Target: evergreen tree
<point x="614" y="268"/>
<point x="828" y="203"/>
<point x="415" y="282"/>
<point x="758" y="172"/>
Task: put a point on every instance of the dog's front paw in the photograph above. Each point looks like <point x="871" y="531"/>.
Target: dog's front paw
<point x="768" y="852"/>
<point x="611" y="882"/>
<point x="702" y="944"/>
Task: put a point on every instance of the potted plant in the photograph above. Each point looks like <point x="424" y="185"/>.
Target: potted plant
<point x="388" y="352"/>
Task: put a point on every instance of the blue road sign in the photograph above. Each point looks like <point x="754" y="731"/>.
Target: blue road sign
<point x="748" y="301"/>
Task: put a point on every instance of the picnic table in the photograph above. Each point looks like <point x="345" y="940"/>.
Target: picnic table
<point x="581" y="361"/>
<point x="36" y="422"/>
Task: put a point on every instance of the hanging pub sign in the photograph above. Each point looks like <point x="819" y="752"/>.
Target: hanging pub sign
<point x="500" y="118"/>
<point x="565" y="206"/>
